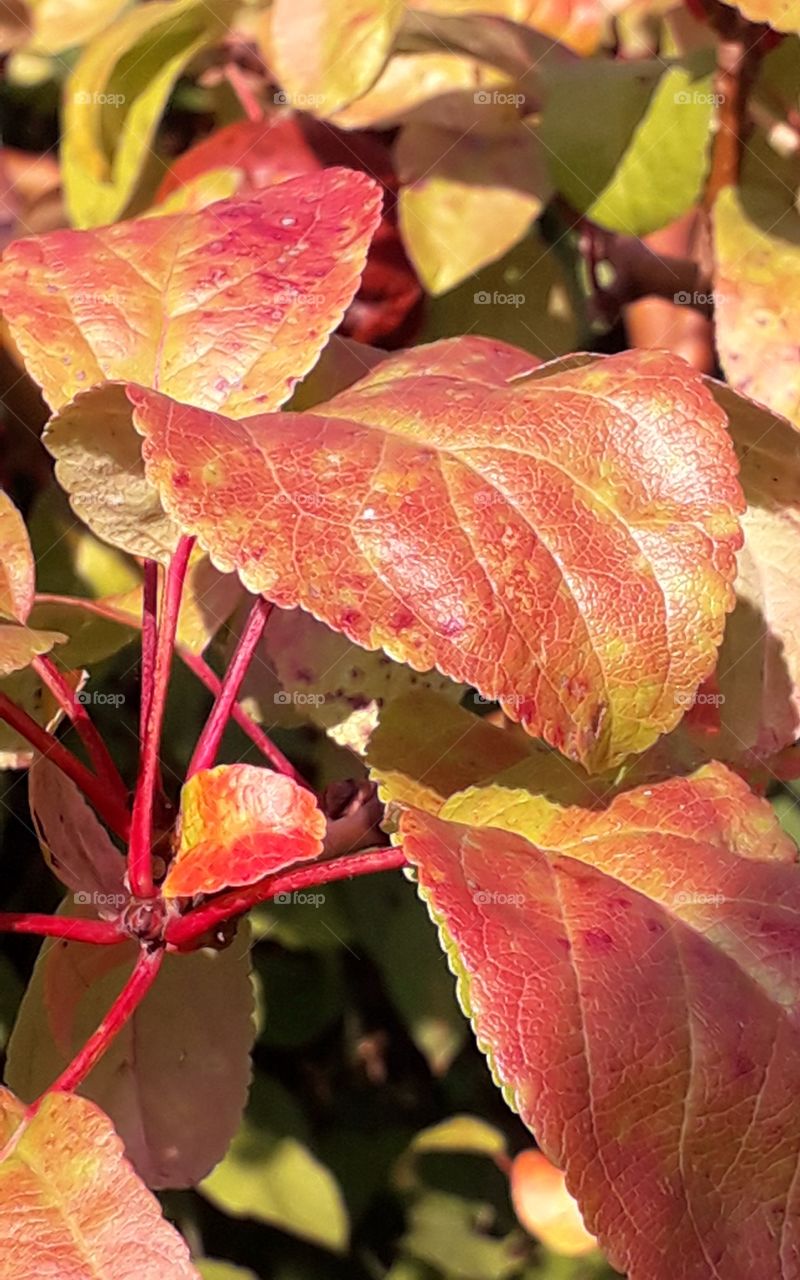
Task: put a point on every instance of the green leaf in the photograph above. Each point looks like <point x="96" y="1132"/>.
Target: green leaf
<point x="628" y="142"/>
<point x="116" y="95"/>
<point x="270" y="1173"/>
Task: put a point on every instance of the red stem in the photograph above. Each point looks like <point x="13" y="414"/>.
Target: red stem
<point x="130" y="997"/>
<point x="95" y="790"/>
<point x="140" y="861"/>
<point x="75" y="929"/>
<point x="183" y="932"/>
<point x="96" y="748"/>
<point x="245" y="722"/>
<point x="149" y="634"/>
<point x="247" y="99"/>
<point x="205" y="753"/>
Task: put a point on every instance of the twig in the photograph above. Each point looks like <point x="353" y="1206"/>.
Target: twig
<point x="95" y="790"/>
<point x="149" y="634"/>
<point x="184" y="932"/>
<point x="73" y="928"/>
<point x="246" y="723"/>
<point x="205" y="753"/>
<point x="96" y="748"/>
<point x="140" y="861"/>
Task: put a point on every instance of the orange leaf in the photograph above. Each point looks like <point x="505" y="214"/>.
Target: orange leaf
<point x="226" y="307"/>
<point x="563" y="541"/>
<point x="545" y="1207"/>
<point x="239" y="823"/>
<point x="633" y="973"/>
<point x="70" y="1204"/>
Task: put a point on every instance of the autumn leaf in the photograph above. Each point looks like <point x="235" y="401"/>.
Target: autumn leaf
<point x="238" y="823"/>
<point x="632" y="974"/>
<point x="175" y="1080"/>
<point x="575" y="23"/>
<point x="68" y="24"/>
<point x="783" y="15"/>
<point x="71" y="1205"/>
<point x="325" y="53"/>
<point x="579" y="574"/>
<point x="233" y="327"/>
<point x="17" y="568"/>
<point x="75" y="844"/>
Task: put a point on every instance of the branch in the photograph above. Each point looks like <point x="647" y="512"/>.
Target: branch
<point x="183" y="933"/>
<point x="130" y="997"/>
<point x="140" y="861"/>
<point x="246" y="723"/>
<point x="205" y="753"/>
<point x="149" y="634"/>
<point x="95" y="790"/>
<point x="73" y="928"/>
<point x="92" y="740"/>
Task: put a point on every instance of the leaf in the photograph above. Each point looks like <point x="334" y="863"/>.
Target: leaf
<point x="453" y="552"/>
<point x="19" y="645"/>
<point x="577" y="24"/>
<point x="757" y="281"/>
<point x="75" y="844"/>
<point x="239" y="823"/>
<point x="17" y="570"/>
<point x="464" y="1133"/>
<point x="545" y="1208"/>
<point x="466" y="199"/>
<point x="208" y="600"/>
<point x="271" y="1175"/>
<point x="757" y="682"/>
<point x="640" y="156"/>
<point x="233" y="327"/>
<point x="447" y="1232"/>
<point x="783" y="15"/>
<point x="623" y="1069"/>
<point x="460" y="750"/>
<point x="175" y="1080"/>
<point x="68" y="24"/>
<point x="325" y="54"/>
<point x="70" y="1203"/>
<point x="239" y="331"/>
<point x="93" y="629"/>
<point x="212" y="1269"/>
<point x="441" y="83"/>
<point x="116" y="95"/>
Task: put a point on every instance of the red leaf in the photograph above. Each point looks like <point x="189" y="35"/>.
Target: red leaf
<point x="634" y="974"/>
<point x="238" y="824"/>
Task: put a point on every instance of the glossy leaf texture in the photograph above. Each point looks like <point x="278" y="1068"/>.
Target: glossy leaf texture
<point x="226" y="307"/>
<point x="238" y="823"/>
<point x="70" y="1204"/>
<point x="115" y="96"/>
<point x="75" y="844"/>
<point x="663" y="1087"/>
<point x="324" y="54"/>
<point x="564" y="542"/>
<point x="175" y="1080"/>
